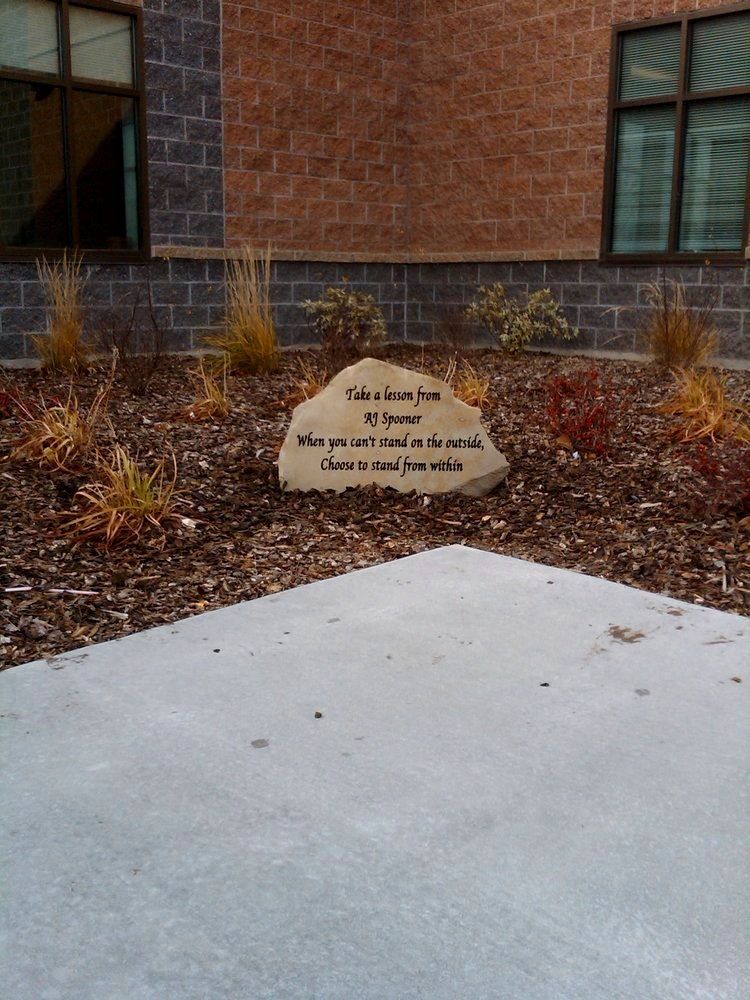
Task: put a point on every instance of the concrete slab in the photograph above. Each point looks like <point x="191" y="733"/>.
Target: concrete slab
<point x="524" y="783"/>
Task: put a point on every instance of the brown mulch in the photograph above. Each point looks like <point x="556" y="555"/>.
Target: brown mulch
<point x="640" y="515"/>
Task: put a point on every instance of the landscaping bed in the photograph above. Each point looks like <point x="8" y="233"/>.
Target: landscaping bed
<point x="647" y="511"/>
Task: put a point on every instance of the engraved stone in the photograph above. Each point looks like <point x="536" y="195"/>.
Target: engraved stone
<point x="378" y="423"/>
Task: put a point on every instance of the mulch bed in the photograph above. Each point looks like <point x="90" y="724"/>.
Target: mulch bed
<point x="640" y="515"/>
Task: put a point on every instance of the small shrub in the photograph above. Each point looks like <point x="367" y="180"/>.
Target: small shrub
<point x="138" y="339"/>
<point x="123" y="503"/>
<point x="212" y="401"/>
<point x="701" y="401"/>
<point x="724" y="474"/>
<point x="347" y="323"/>
<point x="59" y="435"/>
<point x="249" y="339"/>
<point x="62" y="348"/>
<point x="679" y="334"/>
<point x="583" y="410"/>
<point x="513" y="325"/>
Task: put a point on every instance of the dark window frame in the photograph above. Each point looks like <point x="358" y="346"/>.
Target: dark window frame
<point x="67" y="84"/>
<point x="680" y="101"/>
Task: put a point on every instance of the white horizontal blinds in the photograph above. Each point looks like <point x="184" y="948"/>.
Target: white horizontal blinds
<point x="101" y="45"/>
<point x="650" y="63"/>
<point x="29" y="37"/>
<point x="715" y="174"/>
<point x="643" y="183"/>
<point x="720" y="52"/>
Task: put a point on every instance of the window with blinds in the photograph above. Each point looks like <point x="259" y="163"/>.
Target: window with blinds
<point x="680" y="137"/>
<point x="71" y="112"/>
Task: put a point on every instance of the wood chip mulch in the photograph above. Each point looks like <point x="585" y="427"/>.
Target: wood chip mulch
<point x="640" y="515"/>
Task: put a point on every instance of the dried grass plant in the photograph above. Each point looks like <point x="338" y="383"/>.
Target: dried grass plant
<point x="467" y="385"/>
<point x="61" y="435"/>
<point x="249" y="339"/>
<point x="472" y="388"/>
<point x="62" y="348"/>
<point x="212" y="399"/>
<point x="680" y="334"/>
<point x="702" y="403"/>
<point x="124" y="502"/>
<point x="310" y="381"/>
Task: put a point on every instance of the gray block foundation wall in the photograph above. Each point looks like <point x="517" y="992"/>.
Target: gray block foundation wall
<point x="608" y="305"/>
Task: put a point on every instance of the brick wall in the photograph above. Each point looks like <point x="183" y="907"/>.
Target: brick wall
<point x="314" y="104"/>
<point x="507" y="117"/>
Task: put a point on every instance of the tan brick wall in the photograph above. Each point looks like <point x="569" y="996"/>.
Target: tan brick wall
<point x="314" y="99"/>
<point x="421" y="129"/>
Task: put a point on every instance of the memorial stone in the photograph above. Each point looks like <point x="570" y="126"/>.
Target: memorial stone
<point x="378" y="423"/>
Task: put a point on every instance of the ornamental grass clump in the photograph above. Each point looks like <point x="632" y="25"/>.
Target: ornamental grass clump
<point x="124" y="502"/>
<point x="62" y="348"/>
<point x="468" y="386"/>
<point x="701" y="402"/>
<point x="249" y="341"/>
<point x="512" y="324"/>
<point x="680" y="335"/>
<point x="59" y="435"/>
<point x="347" y="323"/>
<point x="212" y="399"/>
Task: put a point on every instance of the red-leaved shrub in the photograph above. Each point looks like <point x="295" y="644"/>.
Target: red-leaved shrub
<point x="583" y="409"/>
<point x="723" y="472"/>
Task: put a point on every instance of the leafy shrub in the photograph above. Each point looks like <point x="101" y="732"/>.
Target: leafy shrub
<point x="512" y="324"/>
<point x="701" y="401"/>
<point x="124" y="502"/>
<point x="347" y="324"/>
<point x="62" y="348"/>
<point x="724" y="472"/>
<point x="583" y="410"/>
<point x="249" y="339"/>
<point x="680" y="334"/>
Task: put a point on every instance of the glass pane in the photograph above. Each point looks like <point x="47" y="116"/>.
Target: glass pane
<point x="28" y="35"/>
<point x="101" y="45"/>
<point x="650" y="62"/>
<point x="33" y="204"/>
<point x="104" y="135"/>
<point x="721" y="52"/>
<point x="715" y="178"/>
<point x="643" y="179"/>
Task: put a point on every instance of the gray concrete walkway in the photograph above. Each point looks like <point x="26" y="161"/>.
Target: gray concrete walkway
<point x="523" y="784"/>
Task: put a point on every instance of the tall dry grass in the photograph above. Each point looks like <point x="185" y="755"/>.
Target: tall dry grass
<point x="62" y="348"/>
<point x="680" y="334"/>
<point x="249" y="338"/>
<point x="702" y="403"/>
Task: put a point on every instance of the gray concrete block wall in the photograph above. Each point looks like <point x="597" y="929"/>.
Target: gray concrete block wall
<point x="183" y="98"/>
<point x="609" y="305"/>
<point x="182" y="40"/>
<point x="421" y="302"/>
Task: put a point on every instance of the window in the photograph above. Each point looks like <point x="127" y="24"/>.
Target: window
<point x="71" y="108"/>
<point x="679" y="138"/>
